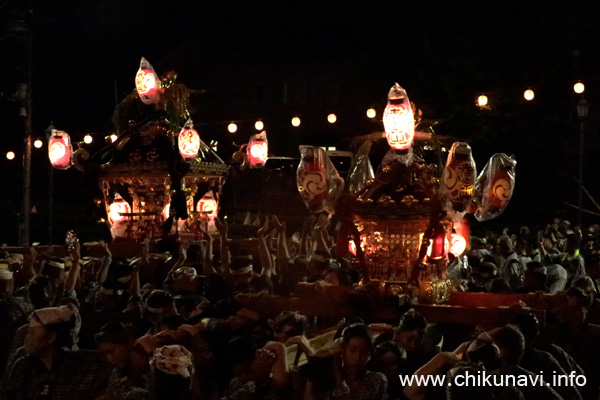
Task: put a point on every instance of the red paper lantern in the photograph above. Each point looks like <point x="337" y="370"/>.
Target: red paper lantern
<point x="258" y="150"/>
<point x="147" y="83"/>
<point x="458" y="179"/>
<point x="118" y="207"/>
<point x="207" y="204"/>
<point x="60" y="151"/>
<point x="398" y="119"/>
<point x="189" y="141"/>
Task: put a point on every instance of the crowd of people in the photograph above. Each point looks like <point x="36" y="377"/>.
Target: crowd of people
<point x="170" y="323"/>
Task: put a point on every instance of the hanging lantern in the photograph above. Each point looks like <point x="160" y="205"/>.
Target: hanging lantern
<point x="207" y="204"/>
<point x="38" y="144"/>
<point x="117" y="208"/>
<point x="482" y="100"/>
<point x="147" y="83"/>
<point x="579" y="88"/>
<point x="371" y="113"/>
<point x="528" y="95"/>
<point x="189" y="141"/>
<point x="259" y="126"/>
<point x="60" y="150"/>
<point x="232" y="127"/>
<point x="458" y="178"/>
<point x="257" y="150"/>
<point x="331" y="118"/>
<point x="398" y="119"/>
<point x="87" y="139"/>
<point x="296" y="121"/>
<point x="458" y="244"/>
<point x="10" y="155"/>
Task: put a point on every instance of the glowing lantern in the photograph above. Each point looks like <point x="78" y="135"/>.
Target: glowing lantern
<point x="331" y="118"/>
<point x="458" y="244"/>
<point x="259" y="126"/>
<point x="296" y="121"/>
<point x="189" y="141"/>
<point x="232" y="128"/>
<point x="207" y="204"/>
<point x="10" y="155"/>
<point x="38" y="144"/>
<point x="87" y="139"/>
<point x="118" y="207"/>
<point x="482" y="100"/>
<point x="371" y="113"/>
<point x="147" y="83"/>
<point x="528" y="95"/>
<point x="60" y="150"/>
<point x="579" y="88"/>
<point x="398" y="119"/>
<point x="257" y="150"/>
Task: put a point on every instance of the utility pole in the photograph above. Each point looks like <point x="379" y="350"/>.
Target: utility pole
<point x="26" y="112"/>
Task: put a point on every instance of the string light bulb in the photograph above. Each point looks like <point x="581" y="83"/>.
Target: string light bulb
<point x="296" y="121"/>
<point x="482" y="100"/>
<point x="528" y="95"/>
<point x="371" y="113"/>
<point x="10" y="155"/>
<point x="331" y="118"/>
<point x="232" y="127"/>
<point x="579" y="87"/>
<point x="38" y="144"/>
<point x="259" y="126"/>
<point x="87" y="139"/>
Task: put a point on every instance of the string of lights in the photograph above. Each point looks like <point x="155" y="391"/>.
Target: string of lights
<point x="481" y="101"/>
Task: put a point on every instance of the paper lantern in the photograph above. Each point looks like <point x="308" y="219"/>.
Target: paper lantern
<point x="296" y="121"/>
<point x="147" y="83"/>
<point x="38" y="144"/>
<point x="189" y="141"/>
<point x="259" y="126"/>
<point x="458" y="244"/>
<point x="258" y="150"/>
<point x="371" y="113"/>
<point x="10" y="155"/>
<point x="579" y="88"/>
<point x="207" y="204"/>
<point x="232" y="127"/>
<point x="458" y="178"/>
<point x="60" y="150"/>
<point x="117" y="208"/>
<point x="398" y="119"/>
<point x="87" y="139"/>
<point x="331" y="118"/>
<point x="528" y="95"/>
<point x="482" y="100"/>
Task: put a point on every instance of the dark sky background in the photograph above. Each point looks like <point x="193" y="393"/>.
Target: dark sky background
<point x="332" y="57"/>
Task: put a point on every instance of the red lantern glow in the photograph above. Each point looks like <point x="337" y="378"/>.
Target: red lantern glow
<point x="147" y="83"/>
<point x="258" y="150"/>
<point x="60" y="151"/>
<point x="207" y="204"/>
<point x="398" y="119"/>
<point x="118" y="207"/>
<point x="458" y="244"/>
<point x="189" y="141"/>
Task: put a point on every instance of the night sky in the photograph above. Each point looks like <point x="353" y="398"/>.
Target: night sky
<point x="241" y="57"/>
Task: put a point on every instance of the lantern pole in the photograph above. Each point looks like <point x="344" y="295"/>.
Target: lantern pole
<point x="582" y="112"/>
<point x="25" y="112"/>
<point x="48" y="133"/>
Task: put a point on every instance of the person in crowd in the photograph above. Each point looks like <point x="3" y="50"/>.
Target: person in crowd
<point x="509" y="264"/>
<point x="49" y="371"/>
<point x="570" y="259"/>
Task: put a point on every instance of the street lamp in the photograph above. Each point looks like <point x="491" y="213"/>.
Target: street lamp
<point x="582" y="112"/>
